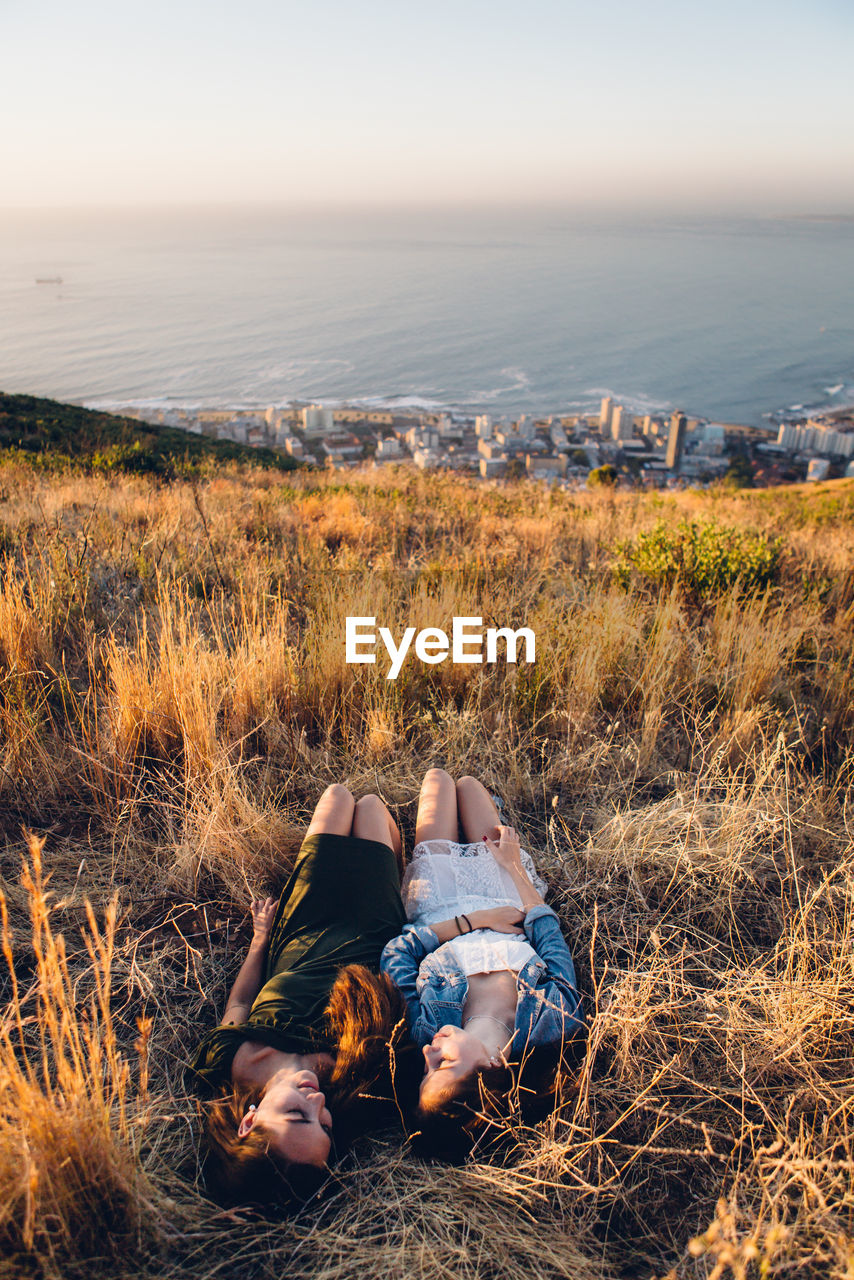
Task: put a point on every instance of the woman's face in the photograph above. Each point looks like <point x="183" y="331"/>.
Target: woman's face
<point x="449" y="1060"/>
<point x="294" y="1117"/>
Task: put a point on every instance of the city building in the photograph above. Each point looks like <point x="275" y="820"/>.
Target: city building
<point x="622" y="423"/>
<point x="369" y="417"/>
<point x="426" y="459"/>
<point x="316" y="420"/>
<point x="818" y="469"/>
<point x="675" y="440"/>
<point x="422" y="438"/>
<point x="712" y="437"/>
<point x="483" y="426"/>
<point x="447" y="429"/>
<point x="816" y="436"/>
<point x="605" y="411"/>
<point x="342" y="445"/>
<point x="277" y="415"/>
<point x="232" y="429"/>
<point x="545" y="468"/>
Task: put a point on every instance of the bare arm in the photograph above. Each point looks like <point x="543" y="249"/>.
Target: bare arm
<point x="502" y="919"/>
<point x="506" y="852"/>
<point x="247" y="984"/>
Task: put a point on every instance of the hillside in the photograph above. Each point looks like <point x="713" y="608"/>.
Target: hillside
<point x="55" y="435"/>
<point x="173" y="699"/>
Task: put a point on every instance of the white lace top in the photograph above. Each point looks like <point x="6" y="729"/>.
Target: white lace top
<point x="447" y="879"/>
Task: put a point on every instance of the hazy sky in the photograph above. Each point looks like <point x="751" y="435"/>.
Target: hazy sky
<point x="736" y="102"/>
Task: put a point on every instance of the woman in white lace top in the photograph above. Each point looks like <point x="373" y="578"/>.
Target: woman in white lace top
<point x="482" y="963"/>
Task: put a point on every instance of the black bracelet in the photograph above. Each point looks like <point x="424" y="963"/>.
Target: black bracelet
<point x="457" y="923"/>
<point x="468" y="922"/>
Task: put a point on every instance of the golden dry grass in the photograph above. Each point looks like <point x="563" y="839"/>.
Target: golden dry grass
<point x="173" y="698"/>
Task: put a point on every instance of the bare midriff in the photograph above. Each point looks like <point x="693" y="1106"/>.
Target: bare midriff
<point x="491" y="995"/>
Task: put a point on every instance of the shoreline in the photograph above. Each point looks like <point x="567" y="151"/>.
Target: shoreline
<point x="412" y="406"/>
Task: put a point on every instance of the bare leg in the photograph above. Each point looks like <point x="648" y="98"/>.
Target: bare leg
<point x="478" y="814"/>
<point x="334" y="813"/>
<point x="372" y="821"/>
<point x="437" y="808"/>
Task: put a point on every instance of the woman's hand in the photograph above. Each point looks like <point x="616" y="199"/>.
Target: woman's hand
<point x="249" y="980"/>
<point x="502" y="919"/>
<point x="505" y="850"/>
<point x="263" y="910"/>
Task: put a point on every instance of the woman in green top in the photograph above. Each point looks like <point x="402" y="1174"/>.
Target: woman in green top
<point x="310" y="1026"/>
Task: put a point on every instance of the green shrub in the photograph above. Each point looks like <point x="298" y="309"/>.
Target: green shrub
<point x="600" y="477"/>
<point x="705" y="559"/>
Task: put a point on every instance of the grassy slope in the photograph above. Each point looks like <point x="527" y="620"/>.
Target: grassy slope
<point x="53" y="432"/>
<point x="173" y="698"/>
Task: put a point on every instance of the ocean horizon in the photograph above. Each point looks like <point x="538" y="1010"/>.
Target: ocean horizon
<point x="734" y="318"/>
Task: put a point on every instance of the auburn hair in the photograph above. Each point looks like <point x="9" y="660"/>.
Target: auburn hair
<point x="248" y="1170"/>
<point x="366" y="1022"/>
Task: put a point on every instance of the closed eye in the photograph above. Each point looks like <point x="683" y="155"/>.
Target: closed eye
<point x="299" y="1118"/>
<point x="446" y="1062"/>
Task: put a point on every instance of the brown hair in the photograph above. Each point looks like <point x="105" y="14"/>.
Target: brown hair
<point x="366" y="1020"/>
<point x="248" y="1169"/>
<point x="488" y="1103"/>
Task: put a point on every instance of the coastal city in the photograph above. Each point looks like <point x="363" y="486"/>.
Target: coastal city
<point x="650" y="451"/>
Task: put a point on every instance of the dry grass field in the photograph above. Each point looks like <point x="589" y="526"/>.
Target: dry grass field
<point x="173" y="699"/>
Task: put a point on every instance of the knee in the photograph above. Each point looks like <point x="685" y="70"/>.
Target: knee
<point x="338" y="793"/>
<point x="369" y="805"/>
<point x="468" y="783"/>
<point x="436" y="778"/>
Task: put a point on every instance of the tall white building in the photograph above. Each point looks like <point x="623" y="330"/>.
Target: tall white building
<point x="483" y="426"/>
<point x="622" y="423"/>
<point x="316" y="420"/>
<point x="605" y="411"/>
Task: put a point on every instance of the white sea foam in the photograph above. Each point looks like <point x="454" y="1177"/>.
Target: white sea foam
<point x="841" y="394"/>
<point x="633" y="400"/>
<point x="397" y="402"/>
<point x="518" y="380"/>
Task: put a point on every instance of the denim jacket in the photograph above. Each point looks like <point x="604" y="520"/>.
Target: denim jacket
<point x="548" y="1008"/>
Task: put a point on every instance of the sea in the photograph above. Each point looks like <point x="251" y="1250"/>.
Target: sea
<point x="506" y="311"/>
